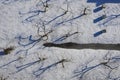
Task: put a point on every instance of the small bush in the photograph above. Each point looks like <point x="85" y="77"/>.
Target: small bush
<point x="8" y="50"/>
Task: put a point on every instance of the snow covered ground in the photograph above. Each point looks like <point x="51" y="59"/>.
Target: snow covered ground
<point x="26" y="25"/>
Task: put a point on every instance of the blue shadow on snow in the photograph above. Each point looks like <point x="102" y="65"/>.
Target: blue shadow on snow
<point x="2" y="53"/>
<point x="99" y="33"/>
<point x="99" y="18"/>
<point x="98" y="9"/>
<point x="100" y="2"/>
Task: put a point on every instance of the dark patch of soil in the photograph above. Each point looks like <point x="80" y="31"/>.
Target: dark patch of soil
<point x="71" y="45"/>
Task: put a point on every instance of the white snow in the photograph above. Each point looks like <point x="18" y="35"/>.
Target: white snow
<point x="24" y="63"/>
